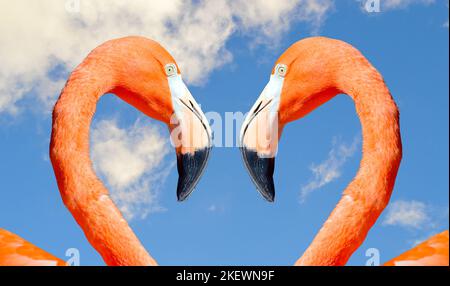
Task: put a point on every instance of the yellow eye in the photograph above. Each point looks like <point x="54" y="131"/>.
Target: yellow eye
<point x="281" y="70"/>
<point x="171" y="69"/>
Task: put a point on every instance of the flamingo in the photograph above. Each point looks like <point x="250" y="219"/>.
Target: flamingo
<point x="308" y="74"/>
<point x="142" y="73"/>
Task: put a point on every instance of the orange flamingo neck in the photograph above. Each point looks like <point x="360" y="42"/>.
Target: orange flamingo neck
<point x="82" y="192"/>
<point x="369" y="192"/>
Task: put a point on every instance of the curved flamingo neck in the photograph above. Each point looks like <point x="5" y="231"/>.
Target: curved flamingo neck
<point x="369" y="192"/>
<point x="82" y="192"/>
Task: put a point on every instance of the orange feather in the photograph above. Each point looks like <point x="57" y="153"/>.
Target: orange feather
<point x="15" y="251"/>
<point x="432" y="252"/>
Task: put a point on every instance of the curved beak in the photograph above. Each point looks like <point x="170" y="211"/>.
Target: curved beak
<point x="259" y="138"/>
<point x="190" y="135"/>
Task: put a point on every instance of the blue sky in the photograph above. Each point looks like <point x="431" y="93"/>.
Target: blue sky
<point x="226" y="222"/>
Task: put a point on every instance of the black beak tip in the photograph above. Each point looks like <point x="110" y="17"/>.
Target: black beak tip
<point x="261" y="171"/>
<point x="267" y="190"/>
<point x="182" y="195"/>
<point x="270" y="196"/>
<point x="190" y="169"/>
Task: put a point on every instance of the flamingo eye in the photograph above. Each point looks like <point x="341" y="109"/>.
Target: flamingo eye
<point x="171" y="69"/>
<point x="281" y="70"/>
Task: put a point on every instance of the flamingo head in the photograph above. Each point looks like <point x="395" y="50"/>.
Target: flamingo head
<point x="301" y="80"/>
<point x="154" y="86"/>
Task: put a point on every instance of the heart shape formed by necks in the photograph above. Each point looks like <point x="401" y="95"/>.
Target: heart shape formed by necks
<point x="143" y="74"/>
<point x="308" y="74"/>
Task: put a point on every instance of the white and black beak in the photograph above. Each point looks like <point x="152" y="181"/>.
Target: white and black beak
<point x="190" y="135"/>
<point x="260" y="133"/>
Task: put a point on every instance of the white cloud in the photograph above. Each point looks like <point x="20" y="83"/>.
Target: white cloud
<point x="132" y="163"/>
<point x="269" y="19"/>
<point x="41" y="41"/>
<point x="410" y="214"/>
<point x="330" y="169"/>
<point x="421" y="219"/>
<point x="214" y="208"/>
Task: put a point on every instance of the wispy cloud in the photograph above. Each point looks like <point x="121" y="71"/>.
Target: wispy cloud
<point x="410" y="214"/>
<point x="214" y="208"/>
<point x="416" y="215"/>
<point x="422" y="220"/>
<point x="41" y="41"/>
<point x="330" y="169"/>
<point x="132" y="163"/>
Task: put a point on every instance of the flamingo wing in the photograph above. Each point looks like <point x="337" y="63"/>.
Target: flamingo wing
<point x="432" y="252"/>
<point x="15" y="251"/>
